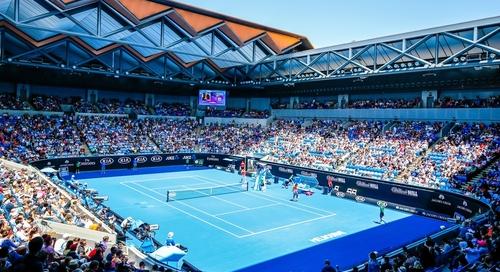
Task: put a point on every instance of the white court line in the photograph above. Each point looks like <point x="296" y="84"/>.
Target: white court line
<point x="281" y="201"/>
<point x="221" y="199"/>
<point x="268" y="196"/>
<point x="202" y="211"/>
<point x="165" y="178"/>
<point x="181" y="210"/>
<point x="286" y="226"/>
<point x="248" y="209"/>
<point x="174" y="187"/>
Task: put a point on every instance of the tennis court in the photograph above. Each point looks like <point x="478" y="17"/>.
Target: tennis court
<point x="242" y="230"/>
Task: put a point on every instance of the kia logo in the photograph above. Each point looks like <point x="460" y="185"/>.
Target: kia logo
<point x="124" y="160"/>
<point x="360" y="199"/>
<point x="141" y="159"/>
<point x="156" y="158"/>
<point x="107" y="161"/>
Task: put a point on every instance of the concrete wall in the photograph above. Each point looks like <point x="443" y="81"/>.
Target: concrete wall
<point x="240" y="121"/>
<point x="470" y="115"/>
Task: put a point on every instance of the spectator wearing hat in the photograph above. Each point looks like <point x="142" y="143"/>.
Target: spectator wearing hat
<point x="170" y="239"/>
<point x="60" y="244"/>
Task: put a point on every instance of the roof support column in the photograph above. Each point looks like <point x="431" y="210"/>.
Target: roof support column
<point x="343" y="100"/>
<point x="149" y="99"/>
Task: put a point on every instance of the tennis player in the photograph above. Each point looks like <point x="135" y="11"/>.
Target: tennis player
<point x="381" y="214"/>
<point x="295" y="192"/>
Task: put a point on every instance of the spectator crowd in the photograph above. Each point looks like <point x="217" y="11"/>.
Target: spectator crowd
<point x="27" y="245"/>
<point x="415" y="152"/>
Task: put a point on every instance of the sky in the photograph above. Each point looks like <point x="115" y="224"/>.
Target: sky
<point x="332" y="22"/>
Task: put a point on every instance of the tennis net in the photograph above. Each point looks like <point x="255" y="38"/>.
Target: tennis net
<point x="174" y="195"/>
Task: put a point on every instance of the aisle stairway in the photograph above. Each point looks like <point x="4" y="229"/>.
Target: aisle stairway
<point x="417" y="162"/>
<point x="482" y="172"/>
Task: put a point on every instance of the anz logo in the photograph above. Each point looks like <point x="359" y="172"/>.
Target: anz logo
<point x="107" y="161"/>
<point x="156" y="158"/>
<point x="124" y="160"/>
<point x="141" y="159"/>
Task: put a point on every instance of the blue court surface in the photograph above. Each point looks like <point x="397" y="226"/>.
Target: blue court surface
<point x="254" y="230"/>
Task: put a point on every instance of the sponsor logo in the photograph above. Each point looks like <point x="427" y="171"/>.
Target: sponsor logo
<point x="406" y="209"/>
<point x="188" y="157"/>
<point x="285" y="170"/>
<point x="352" y="191"/>
<point x="336" y="179"/>
<point x="464" y="207"/>
<point x="340" y="194"/>
<point x="141" y="159"/>
<point x="406" y="192"/>
<point x="87" y="162"/>
<point x="336" y="188"/>
<point x="441" y="200"/>
<point x="368" y="185"/>
<point x="327" y="236"/>
<point x="124" y="160"/>
<point x="434" y="215"/>
<point x="212" y="159"/>
<point x="360" y="199"/>
<point x="66" y="161"/>
<point x="309" y="174"/>
<point x="107" y="161"/>
<point x="156" y="158"/>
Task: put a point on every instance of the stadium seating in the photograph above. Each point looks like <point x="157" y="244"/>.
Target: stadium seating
<point x="413" y="152"/>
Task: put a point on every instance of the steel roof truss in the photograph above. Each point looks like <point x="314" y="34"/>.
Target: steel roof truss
<point x="404" y="52"/>
<point x="472" y="44"/>
<point x="309" y="65"/>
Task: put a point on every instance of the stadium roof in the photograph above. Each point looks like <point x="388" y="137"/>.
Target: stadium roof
<point x="148" y="29"/>
<point x="174" y="44"/>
